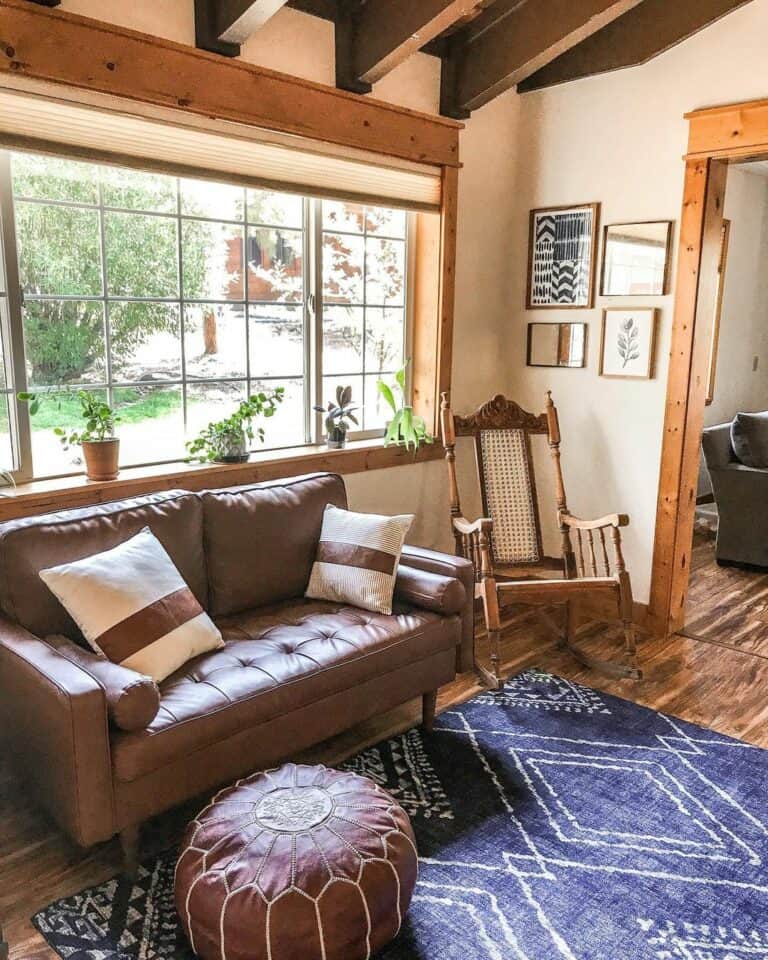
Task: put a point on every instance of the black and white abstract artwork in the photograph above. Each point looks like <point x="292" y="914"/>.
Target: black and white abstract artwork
<point x="562" y="257"/>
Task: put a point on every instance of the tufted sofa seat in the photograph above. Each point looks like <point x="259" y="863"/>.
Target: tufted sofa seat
<point x="104" y="749"/>
<point x="274" y="663"/>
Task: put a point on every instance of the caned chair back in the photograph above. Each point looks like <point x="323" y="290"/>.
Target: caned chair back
<point x="502" y="432"/>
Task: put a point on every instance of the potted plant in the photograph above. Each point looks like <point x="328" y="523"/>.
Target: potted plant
<point x="228" y="440"/>
<point x="405" y="428"/>
<point x="100" y="446"/>
<point x="338" y="417"/>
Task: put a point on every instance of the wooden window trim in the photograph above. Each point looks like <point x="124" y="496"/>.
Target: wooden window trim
<point x="42" y="496"/>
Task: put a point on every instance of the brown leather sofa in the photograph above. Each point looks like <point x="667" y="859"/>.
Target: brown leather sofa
<point x="103" y="749"/>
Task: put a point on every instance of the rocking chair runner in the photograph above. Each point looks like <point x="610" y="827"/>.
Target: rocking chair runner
<point x="505" y="545"/>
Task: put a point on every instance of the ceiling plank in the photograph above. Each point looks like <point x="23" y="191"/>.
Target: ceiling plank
<point x="222" y="25"/>
<point x="634" y="38"/>
<point x="388" y="33"/>
<point x="513" y="39"/>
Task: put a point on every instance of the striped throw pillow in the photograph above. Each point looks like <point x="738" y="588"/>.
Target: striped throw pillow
<point x="357" y="558"/>
<point x="134" y="608"/>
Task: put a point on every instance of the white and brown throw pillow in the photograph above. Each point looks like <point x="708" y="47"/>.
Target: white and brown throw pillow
<point x="357" y="558"/>
<point x="134" y="607"/>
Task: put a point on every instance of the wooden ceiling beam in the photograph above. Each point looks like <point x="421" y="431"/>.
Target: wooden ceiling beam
<point x="513" y="39"/>
<point x="386" y="34"/>
<point x="222" y="25"/>
<point x="639" y="35"/>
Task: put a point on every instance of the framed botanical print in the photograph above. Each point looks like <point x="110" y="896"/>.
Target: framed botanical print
<point x="562" y="248"/>
<point x="629" y="343"/>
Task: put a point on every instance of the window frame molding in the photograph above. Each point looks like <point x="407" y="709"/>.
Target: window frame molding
<point x="156" y="74"/>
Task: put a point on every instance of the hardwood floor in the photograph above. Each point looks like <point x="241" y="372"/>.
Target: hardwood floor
<point x="726" y="605"/>
<point x="725" y="691"/>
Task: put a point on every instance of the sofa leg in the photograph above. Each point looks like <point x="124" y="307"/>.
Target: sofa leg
<point x="429" y="702"/>
<point x="130" y="839"/>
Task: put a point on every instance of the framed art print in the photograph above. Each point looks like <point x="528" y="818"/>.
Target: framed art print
<point x="562" y="251"/>
<point x="628" y="343"/>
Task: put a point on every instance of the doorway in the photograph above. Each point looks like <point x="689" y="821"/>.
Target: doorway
<point x="720" y="138"/>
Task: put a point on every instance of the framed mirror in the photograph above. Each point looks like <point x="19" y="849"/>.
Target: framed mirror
<point x="557" y="344"/>
<point x="636" y="259"/>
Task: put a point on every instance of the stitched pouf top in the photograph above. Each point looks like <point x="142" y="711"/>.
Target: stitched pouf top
<point x="299" y="863"/>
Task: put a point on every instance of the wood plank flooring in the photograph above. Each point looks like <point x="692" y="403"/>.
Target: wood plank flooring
<point x="726" y="692"/>
<point x="726" y="605"/>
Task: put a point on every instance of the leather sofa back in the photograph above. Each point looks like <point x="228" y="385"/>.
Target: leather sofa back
<point x="260" y="540"/>
<point x="30" y="544"/>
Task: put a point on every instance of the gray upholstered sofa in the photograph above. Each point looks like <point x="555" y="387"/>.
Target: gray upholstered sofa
<point x="741" y="495"/>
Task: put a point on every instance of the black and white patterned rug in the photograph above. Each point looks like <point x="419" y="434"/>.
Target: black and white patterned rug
<point x="553" y="823"/>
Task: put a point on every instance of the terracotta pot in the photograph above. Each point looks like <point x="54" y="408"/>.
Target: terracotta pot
<point x="101" y="459"/>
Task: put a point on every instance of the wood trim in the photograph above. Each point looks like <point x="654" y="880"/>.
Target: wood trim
<point x="728" y="129"/>
<point x="43" y="496"/>
<point x="699" y="246"/>
<point x="54" y="46"/>
<point x="725" y="239"/>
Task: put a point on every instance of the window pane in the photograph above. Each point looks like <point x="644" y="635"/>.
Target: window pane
<point x="64" y="342"/>
<point x="151" y="425"/>
<point x="388" y="223"/>
<point x="53" y="178"/>
<point x="377" y="412"/>
<point x="384" y="339"/>
<point x="59" y="250"/>
<point x="330" y="385"/>
<point x="275" y="209"/>
<point x="214" y="341"/>
<point x="212" y="258"/>
<point x="134" y="190"/>
<point x="276" y="338"/>
<point x="345" y="217"/>
<point x="142" y="255"/>
<point x="145" y="341"/>
<point x="343" y="339"/>
<point x="275" y="264"/>
<point x="384" y="272"/>
<point x="286" y="428"/>
<point x="6" y="444"/>
<point x="60" y="409"/>
<point x="343" y="259"/>
<point x="208" y="402"/>
<point x="219" y="201"/>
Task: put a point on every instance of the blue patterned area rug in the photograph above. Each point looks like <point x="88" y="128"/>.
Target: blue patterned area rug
<point x="553" y="823"/>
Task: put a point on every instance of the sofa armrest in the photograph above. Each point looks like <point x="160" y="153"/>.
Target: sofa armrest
<point x="446" y="565"/>
<point x="430" y="591"/>
<point x="55" y="715"/>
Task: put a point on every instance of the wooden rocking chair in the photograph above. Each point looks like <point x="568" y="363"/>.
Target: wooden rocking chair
<point x="505" y="545"/>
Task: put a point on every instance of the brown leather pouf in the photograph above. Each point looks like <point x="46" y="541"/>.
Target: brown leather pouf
<point x="300" y="863"/>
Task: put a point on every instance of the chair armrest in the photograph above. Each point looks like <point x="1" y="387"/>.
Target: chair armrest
<point x="609" y="520"/>
<point x="430" y="591"/>
<point x="132" y="698"/>
<point x="463" y="526"/>
<point x="56" y="717"/>
<point x="446" y="565"/>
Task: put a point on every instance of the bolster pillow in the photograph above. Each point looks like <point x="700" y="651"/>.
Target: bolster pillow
<point x="431" y="591"/>
<point x="132" y="699"/>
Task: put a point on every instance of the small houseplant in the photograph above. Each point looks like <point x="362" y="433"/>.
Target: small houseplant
<point x="406" y="428"/>
<point x="227" y="441"/>
<point x="338" y="417"/>
<point x="100" y="446"/>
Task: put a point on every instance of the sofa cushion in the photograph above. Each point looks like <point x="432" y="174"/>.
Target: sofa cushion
<point x="260" y="540"/>
<point x="30" y="544"/>
<point x="749" y="438"/>
<point x="276" y="661"/>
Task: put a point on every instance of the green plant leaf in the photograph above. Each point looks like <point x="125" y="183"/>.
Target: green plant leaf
<point x="386" y="391"/>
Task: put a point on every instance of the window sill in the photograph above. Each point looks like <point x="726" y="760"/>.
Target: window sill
<point x="42" y="496"/>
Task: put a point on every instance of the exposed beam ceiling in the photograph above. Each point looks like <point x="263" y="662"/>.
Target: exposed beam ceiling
<point x="513" y="39"/>
<point x="641" y="34"/>
<point x="222" y="25"/>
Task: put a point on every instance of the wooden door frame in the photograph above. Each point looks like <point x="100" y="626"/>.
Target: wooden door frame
<point x="717" y="137"/>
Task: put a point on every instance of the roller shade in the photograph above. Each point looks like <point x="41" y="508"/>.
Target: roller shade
<point x="58" y="125"/>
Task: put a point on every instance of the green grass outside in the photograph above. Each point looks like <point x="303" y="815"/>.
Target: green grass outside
<point x="132" y="404"/>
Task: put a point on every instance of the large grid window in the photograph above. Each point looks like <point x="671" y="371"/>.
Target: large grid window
<point x="175" y="298"/>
